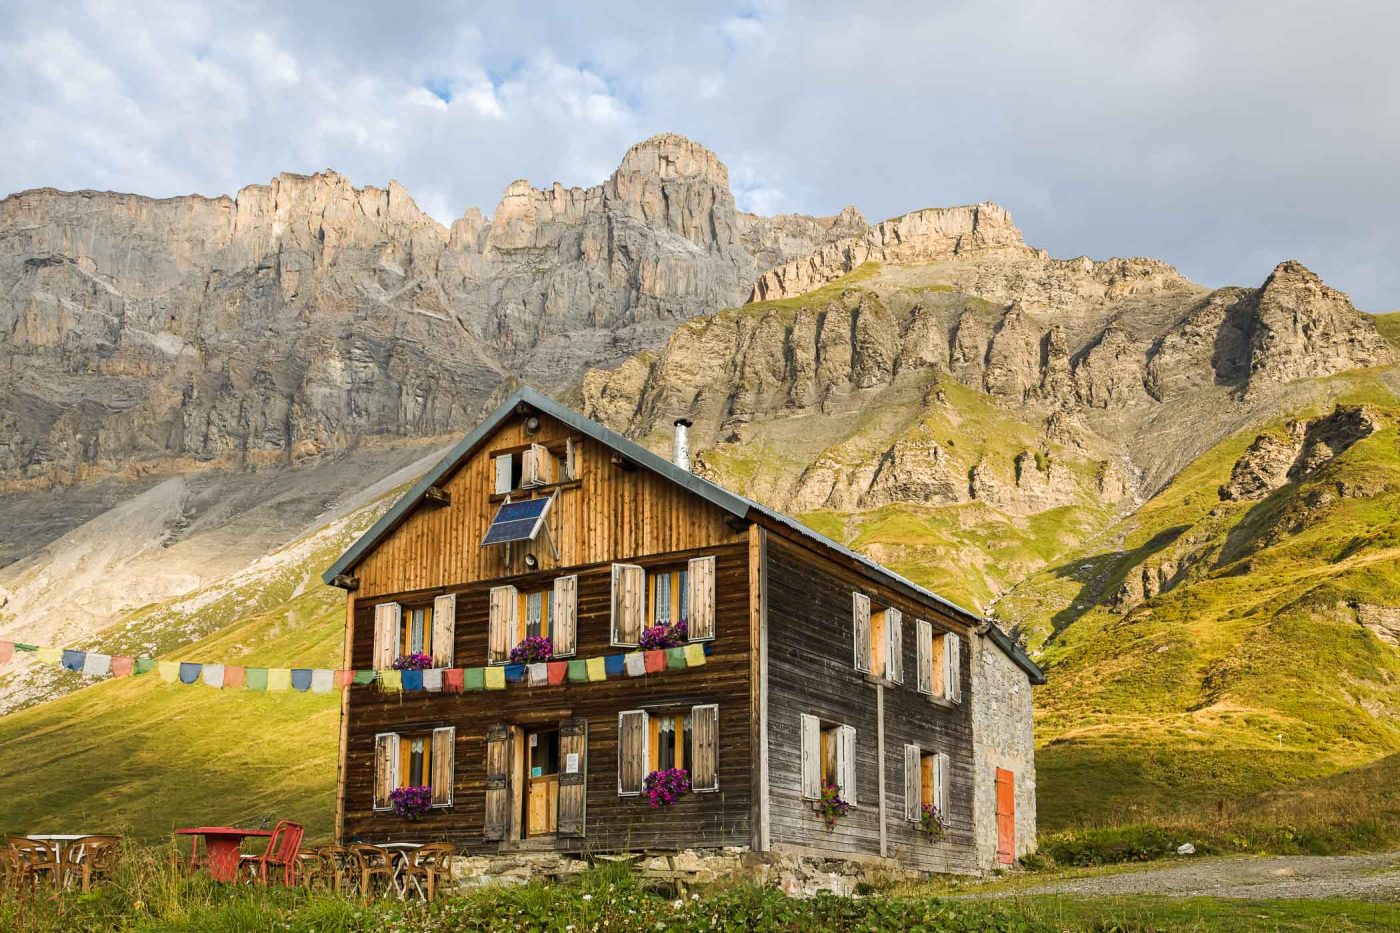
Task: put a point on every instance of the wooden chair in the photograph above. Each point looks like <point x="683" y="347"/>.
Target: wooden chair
<point x="35" y="859"/>
<point x="373" y="862"/>
<point x="91" y="857"/>
<point x="427" y="866"/>
<point x="9" y="868"/>
<point x="281" y="853"/>
<point x="326" y="868"/>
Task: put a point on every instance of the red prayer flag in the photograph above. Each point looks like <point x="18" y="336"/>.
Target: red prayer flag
<point x="234" y="677"/>
<point x="452" y="680"/>
<point x="7" y="651"/>
<point x="656" y="661"/>
<point x="344" y="678"/>
<point x="122" y="666"/>
<point x="557" y="670"/>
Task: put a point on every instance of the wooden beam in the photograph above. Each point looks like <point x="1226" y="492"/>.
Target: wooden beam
<point x="758" y="686"/>
<point x="340" y="766"/>
<point x="346" y="582"/>
<point x="436" y="496"/>
<point x="880" y="762"/>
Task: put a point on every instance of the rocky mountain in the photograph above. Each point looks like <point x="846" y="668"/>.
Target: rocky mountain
<point x="308" y="315"/>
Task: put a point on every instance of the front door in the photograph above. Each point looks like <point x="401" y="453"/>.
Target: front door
<point x="1006" y="816"/>
<point x="541" y="782"/>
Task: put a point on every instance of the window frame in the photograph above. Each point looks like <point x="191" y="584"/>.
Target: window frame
<point x="405" y="633"/>
<point x="401" y="767"/>
<point x="678" y="594"/>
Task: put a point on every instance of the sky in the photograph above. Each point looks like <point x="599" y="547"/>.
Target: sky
<point x="1222" y="137"/>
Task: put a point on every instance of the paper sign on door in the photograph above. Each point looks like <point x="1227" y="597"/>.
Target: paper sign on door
<point x="571" y="763"/>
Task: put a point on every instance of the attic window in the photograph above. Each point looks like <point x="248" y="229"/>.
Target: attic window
<point x="534" y="466"/>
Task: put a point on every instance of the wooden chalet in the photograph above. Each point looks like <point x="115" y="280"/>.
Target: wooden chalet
<point x="820" y="668"/>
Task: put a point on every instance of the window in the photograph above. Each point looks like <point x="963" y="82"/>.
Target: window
<point x="417" y="635"/>
<point x="414" y="759"/>
<point x="879" y="639"/>
<point x="534" y="465"/>
<point x="658" y="740"/>
<point x="670" y="737"/>
<point x="516" y="614"/>
<point x="940" y="663"/>
<point x="926" y="782"/>
<point x="643" y="599"/>
<point x="668" y="598"/>
<point x="828" y="758"/>
<point x="534" y="615"/>
<point x="430" y="630"/>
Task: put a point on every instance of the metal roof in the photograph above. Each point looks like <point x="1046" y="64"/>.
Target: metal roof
<point x="733" y="503"/>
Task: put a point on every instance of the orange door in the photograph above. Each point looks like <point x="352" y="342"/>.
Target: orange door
<point x="1006" y="817"/>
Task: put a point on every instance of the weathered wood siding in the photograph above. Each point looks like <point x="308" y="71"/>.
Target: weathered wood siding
<point x="811" y="670"/>
<point x="613" y="822"/>
<point x="610" y="514"/>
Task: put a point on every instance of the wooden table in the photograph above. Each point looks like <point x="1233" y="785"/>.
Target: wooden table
<point x="222" y="847"/>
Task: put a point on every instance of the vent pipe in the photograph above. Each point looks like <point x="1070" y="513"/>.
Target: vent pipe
<point x="680" y="453"/>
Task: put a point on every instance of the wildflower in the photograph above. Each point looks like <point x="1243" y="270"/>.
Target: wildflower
<point x="532" y="649"/>
<point x="588" y="897"/>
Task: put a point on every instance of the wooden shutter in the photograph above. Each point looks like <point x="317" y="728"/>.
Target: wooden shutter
<point x="941" y="779"/>
<point x="503" y="465"/>
<point x="388" y="620"/>
<point x="505" y="607"/>
<point x="563" y="617"/>
<point x="846" y="763"/>
<point x="924" y="652"/>
<point x="811" y="757"/>
<point x="386" y="768"/>
<point x="497" y="782"/>
<point x="444" y="630"/>
<point x="954" y="653"/>
<point x="701" y="597"/>
<point x="628" y="604"/>
<point x="631" y="752"/>
<point x="444" y="758"/>
<point x="538" y="468"/>
<point x="573" y="785"/>
<point x="938" y="667"/>
<point x="570" y="460"/>
<point x="913" y="792"/>
<point x="860" y="612"/>
<point x="894" y="645"/>
<point x="704" y="748"/>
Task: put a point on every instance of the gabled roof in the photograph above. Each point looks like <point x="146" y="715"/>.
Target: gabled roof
<point x="737" y="505"/>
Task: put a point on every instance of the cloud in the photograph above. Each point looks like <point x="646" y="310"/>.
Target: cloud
<point x="1221" y="137"/>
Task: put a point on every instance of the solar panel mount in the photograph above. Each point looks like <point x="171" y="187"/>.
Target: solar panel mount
<point x="517" y="521"/>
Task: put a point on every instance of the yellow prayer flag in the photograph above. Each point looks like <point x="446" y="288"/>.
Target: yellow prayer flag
<point x="597" y="669"/>
<point x="279" y="679"/>
<point x="495" y="678"/>
<point x="390" y="679"/>
<point x="49" y="655"/>
<point x="169" y="671"/>
<point x="694" y="655"/>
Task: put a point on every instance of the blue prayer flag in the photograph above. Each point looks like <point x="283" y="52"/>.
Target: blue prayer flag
<point x="515" y="673"/>
<point x="412" y="680"/>
<point x="301" y="679"/>
<point x="615" y="665"/>
<point x="189" y="671"/>
<point x="73" y="660"/>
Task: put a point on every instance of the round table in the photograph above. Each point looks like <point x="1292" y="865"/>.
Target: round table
<point x="222" y="846"/>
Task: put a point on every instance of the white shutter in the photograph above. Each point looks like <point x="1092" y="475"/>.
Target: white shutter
<point x="538" y="466"/>
<point x="444" y="630"/>
<point x="563" y="620"/>
<point x="386" y="768"/>
<point x="701" y="597"/>
<point x="704" y="748"/>
<point x="503" y="465"/>
<point x="913" y="805"/>
<point x="632" y="754"/>
<point x="443" y="765"/>
<point x="860" y="613"/>
<point x="501" y="624"/>
<point x="952" y="655"/>
<point x="924" y="651"/>
<point x="811" y="757"/>
<point x="388" y="620"/>
<point x="628" y="604"/>
<point x="570" y="460"/>
<point x="941" y="779"/>
<point x="846" y="763"/>
<point x="894" y="645"/>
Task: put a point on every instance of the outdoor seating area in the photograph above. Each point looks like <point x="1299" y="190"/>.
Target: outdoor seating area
<point x="63" y="862"/>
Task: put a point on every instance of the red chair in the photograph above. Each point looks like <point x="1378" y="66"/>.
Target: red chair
<point x="281" y="853"/>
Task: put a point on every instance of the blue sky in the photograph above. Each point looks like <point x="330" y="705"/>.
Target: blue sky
<point x="1221" y="137"/>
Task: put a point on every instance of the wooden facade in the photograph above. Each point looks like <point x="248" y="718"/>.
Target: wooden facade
<point x="782" y="652"/>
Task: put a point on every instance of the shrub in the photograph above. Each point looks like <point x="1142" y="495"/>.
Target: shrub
<point x="832" y="806"/>
<point x="411" y="803"/>
<point x="665" y="636"/>
<point x="532" y="649"/>
<point x="664" y="788"/>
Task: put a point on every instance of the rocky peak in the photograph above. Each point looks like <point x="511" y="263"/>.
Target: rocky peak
<point x="672" y="157"/>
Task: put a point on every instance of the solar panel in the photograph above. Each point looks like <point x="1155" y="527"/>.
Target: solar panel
<point x="516" y="521"/>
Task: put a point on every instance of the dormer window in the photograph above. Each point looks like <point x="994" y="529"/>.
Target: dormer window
<point x="533" y="466"/>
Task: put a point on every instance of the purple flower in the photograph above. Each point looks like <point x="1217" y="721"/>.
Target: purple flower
<point x="932" y="823"/>
<point x="411" y="803"/>
<point x="534" y="648"/>
<point x="418" y="661"/>
<point x="665" y="636"/>
<point x="664" y="788"/>
<point x="832" y="806"/>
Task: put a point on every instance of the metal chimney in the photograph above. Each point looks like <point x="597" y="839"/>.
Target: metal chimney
<point x="680" y="453"/>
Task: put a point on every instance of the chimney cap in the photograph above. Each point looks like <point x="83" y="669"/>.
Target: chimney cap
<point x="683" y="423"/>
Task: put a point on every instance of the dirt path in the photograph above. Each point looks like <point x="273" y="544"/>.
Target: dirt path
<point x="1372" y="877"/>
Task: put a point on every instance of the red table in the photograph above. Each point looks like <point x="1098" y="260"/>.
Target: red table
<point x="222" y="845"/>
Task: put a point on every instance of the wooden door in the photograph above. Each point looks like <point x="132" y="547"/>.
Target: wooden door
<point x="1006" y="816"/>
<point x="542" y="783"/>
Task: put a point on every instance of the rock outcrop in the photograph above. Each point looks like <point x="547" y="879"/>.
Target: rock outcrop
<point x="1272" y="460"/>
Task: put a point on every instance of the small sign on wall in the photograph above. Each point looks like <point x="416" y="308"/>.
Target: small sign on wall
<point x="536" y="772"/>
<point x="534" y="739"/>
<point x="571" y="763"/>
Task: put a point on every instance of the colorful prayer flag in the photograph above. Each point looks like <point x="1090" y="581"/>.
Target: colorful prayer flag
<point x="539" y="674"/>
<point x="391" y="680"/>
<point x="412" y="680"/>
<point x="48" y="655"/>
<point x="97" y="665"/>
<point x="301" y="679"/>
<point x="558" y="670"/>
<point x="279" y="679"/>
<point x="21" y="646"/>
<point x="474" y="678"/>
<point x="364" y="678"/>
<point x="495" y="678"/>
<point x="636" y="664"/>
<point x="344" y="679"/>
<point x="255" y="677"/>
<point x="73" y="660"/>
<point x="578" y="672"/>
<point x="145" y="665"/>
<point x="656" y="661"/>
<point x="169" y="671"/>
<point x="322" y="680"/>
<point x="235" y="677"/>
<point x="432" y="680"/>
<point x="675" y="659"/>
<point x="7" y="651"/>
<point x="694" y="655"/>
<point x="614" y="665"/>
<point x="189" y="672"/>
<point x="597" y="670"/>
<point x="214" y="676"/>
<point x="452" y="680"/>
<point x="122" y="666"/>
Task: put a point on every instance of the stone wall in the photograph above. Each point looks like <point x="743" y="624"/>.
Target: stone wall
<point x="1003" y="736"/>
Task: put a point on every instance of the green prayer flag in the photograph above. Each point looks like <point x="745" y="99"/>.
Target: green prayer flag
<point x="255" y="678"/>
<point x="21" y="646"/>
<point x="675" y="659"/>
<point x="474" y="678"/>
<point x="364" y="678"/>
<point x="143" y="665"/>
<point x="578" y="672"/>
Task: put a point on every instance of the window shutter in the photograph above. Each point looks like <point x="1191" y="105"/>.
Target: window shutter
<point x="538" y="466"/>
<point x="386" y="767"/>
<point x="861" y="626"/>
<point x="924" y="650"/>
<point x="444" y="630"/>
<point x="913" y="803"/>
<point x="570" y="460"/>
<point x="938" y="667"/>
<point x="954" y="653"/>
<point x="573" y="785"/>
<point x="701" y="584"/>
<point x="503" y="465"/>
<point x="704" y="748"/>
<point x="894" y="645"/>
<point x="811" y="757"/>
<point x="388" y="619"/>
<point x="444" y="756"/>
<point x="497" y="782"/>
<point x="563" y="618"/>
<point x="505" y="606"/>
<point x="846" y="763"/>
<point x="631" y="752"/>
<point x="941" y="779"/>
<point x="628" y="604"/>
